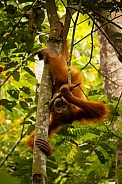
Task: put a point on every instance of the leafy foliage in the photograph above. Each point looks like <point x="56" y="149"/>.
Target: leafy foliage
<point x="81" y="153"/>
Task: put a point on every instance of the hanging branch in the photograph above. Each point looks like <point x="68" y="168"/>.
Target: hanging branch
<point x="95" y="30"/>
<point x="113" y="38"/>
<point x="109" y="21"/>
<point x="70" y="57"/>
<point x="112" y="35"/>
<point x="68" y="16"/>
<point x="107" y="25"/>
<point x="109" y="40"/>
<point x="92" y="46"/>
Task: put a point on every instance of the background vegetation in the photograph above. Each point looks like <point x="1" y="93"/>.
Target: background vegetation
<point x="81" y="153"/>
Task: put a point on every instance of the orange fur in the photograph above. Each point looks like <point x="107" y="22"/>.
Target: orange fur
<point x="74" y="106"/>
<point x="30" y="140"/>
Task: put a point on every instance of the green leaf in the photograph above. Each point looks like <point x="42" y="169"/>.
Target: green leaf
<point x="117" y="34"/>
<point x="27" y="122"/>
<point x="52" y="164"/>
<point x="95" y="92"/>
<point x="13" y="93"/>
<point x="25" y="90"/>
<point x="1" y="5"/>
<point x="5" y="59"/>
<point x="29" y="71"/>
<point x="30" y="129"/>
<point x="51" y="173"/>
<point x="40" y="17"/>
<point x="16" y="76"/>
<point x="100" y="156"/>
<point x="11" y="9"/>
<point x="29" y="99"/>
<point x="23" y="1"/>
<point x="43" y="39"/>
<point x="30" y="79"/>
<point x="6" y="178"/>
<point x="60" y="142"/>
<point x="24" y="105"/>
<point x="10" y="45"/>
<point x="90" y="178"/>
<point x="30" y="112"/>
<point x="107" y="148"/>
<point x="10" y="65"/>
<point x="8" y="104"/>
<point x="86" y="147"/>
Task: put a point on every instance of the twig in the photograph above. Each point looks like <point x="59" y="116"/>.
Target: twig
<point x="97" y="29"/>
<point x="116" y="107"/>
<point x="92" y="46"/>
<point x="13" y="147"/>
<point x="105" y="76"/>
<point x="68" y="18"/>
<point x="72" y="41"/>
<point x="108" y="21"/>
<point x="77" y="176"/>
<point x="105" y="35"/>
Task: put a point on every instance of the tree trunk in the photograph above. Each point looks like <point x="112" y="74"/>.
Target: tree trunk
<point x="112" y="71"/>
<point x="111" y="68"/>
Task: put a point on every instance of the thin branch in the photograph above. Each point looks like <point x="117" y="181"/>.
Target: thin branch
<point x="70" y="57"/>
<point x="67" y="21"/>
<point x="92" y="46"/>
<point x="115" y="110"/>
<point x="96" y="29"/>
<point x="68" y="8"/>
<point x="77" y="176"/>
<point x="105" y="76"/>
<point x="14" y="146"/>
<point x="81" y="22"/>
<point x="108" y="21"/>
<point x="105" y="35"/>
<point x="68" y="16"/>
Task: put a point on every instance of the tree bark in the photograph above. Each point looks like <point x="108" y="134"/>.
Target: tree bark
<point x="112" y="68"/>
<point x="42" y="123"/>
<point x="113" y="30"/>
